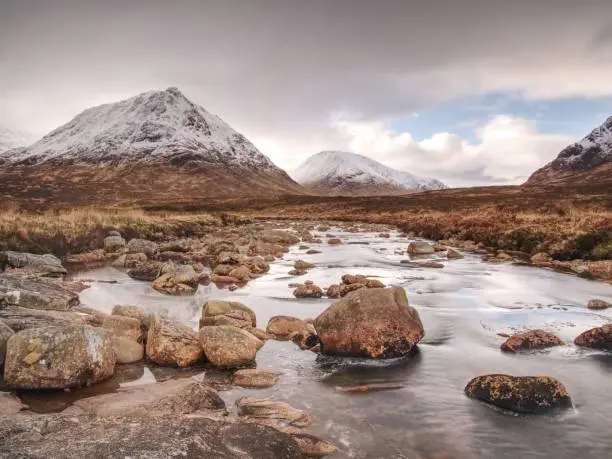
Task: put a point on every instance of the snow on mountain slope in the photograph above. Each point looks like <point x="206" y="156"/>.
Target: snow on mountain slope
<point x="340" y="171"/>
<point x="157" y="126"/>
<point x="10" y="139"/>
<point x="591" y="152"/>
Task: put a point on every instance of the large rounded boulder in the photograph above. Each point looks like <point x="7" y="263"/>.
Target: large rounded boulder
<point x="229" y="347"/>
<point x="58" y="358"/>
<point x="170" y="343"/>
<point x="522" y="394"/>
<point x="374" y="323"/>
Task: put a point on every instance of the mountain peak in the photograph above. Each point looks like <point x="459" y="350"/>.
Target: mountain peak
<point x="352" y="173"/>
<point x="590" y="153"/>
<point x="153" y="126"/>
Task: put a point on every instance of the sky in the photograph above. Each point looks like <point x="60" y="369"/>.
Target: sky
<point x="471" y="92"/>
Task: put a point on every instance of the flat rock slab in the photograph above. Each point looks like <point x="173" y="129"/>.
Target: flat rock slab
<point x="264" y="409"/>
<point x="180" y="396"/>
<point x="45" y="265"/>
<point x="142" y="437"/>
<point x="36" y="293"/>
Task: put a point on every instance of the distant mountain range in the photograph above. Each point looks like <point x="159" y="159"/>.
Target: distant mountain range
<point x="589" y="158"/>
<point x="10" y="139"/>
<point x="156" y="147"/>
<point x="343" y="173"/>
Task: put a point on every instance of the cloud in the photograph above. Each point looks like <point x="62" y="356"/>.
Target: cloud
<point x="507" y="151"/>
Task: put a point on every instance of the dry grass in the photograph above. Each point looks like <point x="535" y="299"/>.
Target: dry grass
<point x="78" y="230"/>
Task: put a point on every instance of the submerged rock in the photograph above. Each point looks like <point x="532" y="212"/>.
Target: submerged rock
<point x="596" y="338"/>
<point x="522" y="394"/>
<point x="375" y="323"/>
<point x="312" y="446"/>
<point x="44" y="265"/>
<point x="35" y="293"/>
<point x="287" y="328"/>
<point x="598" y="304"/>
<point x="262" y="409"/>
<point x="530" y="340"/>
<point x="58" y="358"/>
<point x="301" y="265"/>
<point x="255" y="378"/>
<point x="229" y="347"/>
<point x="420" y="248"/>
<point x="171" y="343"/>
<point x="220" y="312"/>
<point x="452" y="254"/>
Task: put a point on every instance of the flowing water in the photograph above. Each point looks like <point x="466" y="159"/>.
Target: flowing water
<point x="426" y="415"/>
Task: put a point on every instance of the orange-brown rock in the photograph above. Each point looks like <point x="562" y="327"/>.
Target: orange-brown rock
<point x="530" y="340"/>
<point x="596" y="338"/>
<point x="523" y="394"/>
<point x="375" y="323"/>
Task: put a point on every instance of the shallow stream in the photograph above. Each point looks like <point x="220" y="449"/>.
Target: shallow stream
<point x="463" y="306"/>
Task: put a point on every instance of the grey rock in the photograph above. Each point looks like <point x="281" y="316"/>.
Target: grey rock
<point x="113" y="243"/>
<point x="45" y="265"/>
<point x="36" y="293"/>
<point x="142" y="246"/>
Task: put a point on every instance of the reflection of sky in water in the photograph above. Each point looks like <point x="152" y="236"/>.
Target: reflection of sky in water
<point x="463" y="306"/>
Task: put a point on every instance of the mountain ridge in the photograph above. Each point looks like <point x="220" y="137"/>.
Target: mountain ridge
<point x="591" y="156"/>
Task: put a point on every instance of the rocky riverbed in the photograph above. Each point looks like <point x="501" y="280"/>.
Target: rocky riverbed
<point x="313" y="393"/>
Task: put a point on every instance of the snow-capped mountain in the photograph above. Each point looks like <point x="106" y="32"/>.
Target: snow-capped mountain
<point x="155" y="148"/>
<point x="10" y="139"/>
<point x="592" y="152"/>
<point x="151" y="127"/>
<point x="339" y="172"/>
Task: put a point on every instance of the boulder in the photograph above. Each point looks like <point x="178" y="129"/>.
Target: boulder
<point x="44" y="265"/>
<point x="374" y="323"/>
<point x="258" y="333"/>
<point x="261" y="409"/>
<point x="302" y="265"/>
<point x="522" y="394"/>
<point x="530" y="340"/>
<point x="170" y="343"/>
<point x="229" y="347"/>
<point x="223" y="270"/>
<point x="598" y="304"/>
<point x="308" y="291"/>
<point x="345" y="289"/>
<point x="19" y="318"/>
<point x="541" y="258"/>
<point x="596" y="338"/>
<point x="278" y="237"/>
<point x="257" y="265"/>
<point x="313" y="252"/>
<point x="333" y="291"/>
<point x="420" y="248"/>
<point x="177" y="280"/>
<point x="452" y="254"/>
<point x="127" y="337"/>
<point x="135" y="312"/>
<point x="148" y="271"/>
<point x="242" y="273"/>
<point x="287" y="328"/>
<point x="223" y="279"/>
<point x="127" y="350"/>
<point x="113" y="243"/>
<point x="334" y="241"/>
<point x="177" y="257"/>
<point x="255" y="378"/>
<point x="312" y="446"/>
<point x="219" y="312"/>
<point x="5" y="333"/>
<point x="177" y="246"/>
<point x="58" y="358"/>
<point x="149" y="248"/>
<point x="35" y="293"/>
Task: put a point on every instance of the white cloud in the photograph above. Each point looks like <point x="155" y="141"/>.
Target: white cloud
<point x="508" y="150"/>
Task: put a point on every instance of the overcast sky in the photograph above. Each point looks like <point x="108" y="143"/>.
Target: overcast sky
<point x="467" y="91"/>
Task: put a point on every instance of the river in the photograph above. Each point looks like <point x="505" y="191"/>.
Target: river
<point x="463" y="306"/>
